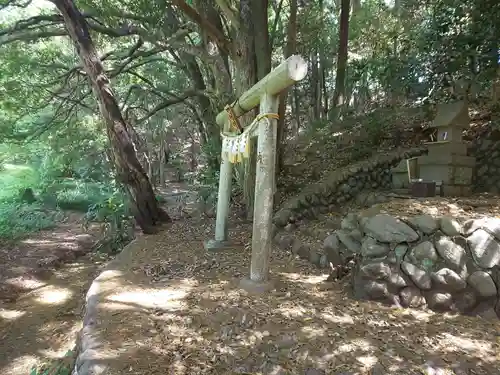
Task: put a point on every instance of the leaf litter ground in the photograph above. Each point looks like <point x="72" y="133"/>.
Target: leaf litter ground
<point x="43" y="281"/>
<point x="169" y="307"/>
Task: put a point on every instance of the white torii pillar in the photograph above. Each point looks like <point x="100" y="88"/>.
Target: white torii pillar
<point x="265" y="92"/>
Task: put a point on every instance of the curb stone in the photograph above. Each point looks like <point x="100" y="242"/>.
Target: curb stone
<point x="89" y="345"/>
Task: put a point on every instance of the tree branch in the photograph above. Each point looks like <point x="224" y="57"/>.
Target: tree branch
<point x="213" y="31"/>
<point x="229" y="12"/>
<point x="167" y="103"/>
<point x="13" y="3"/>
<point x="272" y="34"/>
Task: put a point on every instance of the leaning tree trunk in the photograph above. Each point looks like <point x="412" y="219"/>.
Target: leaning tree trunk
<point x="147" y="212"/>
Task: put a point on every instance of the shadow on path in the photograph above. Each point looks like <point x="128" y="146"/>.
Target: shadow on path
<point x="166" y="306"/>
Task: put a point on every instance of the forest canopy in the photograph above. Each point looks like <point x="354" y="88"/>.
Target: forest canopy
<point x="111" y="92"/>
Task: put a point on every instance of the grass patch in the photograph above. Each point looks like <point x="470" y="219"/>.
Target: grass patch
<point x="76" y="195"/>
<point x="14" y="179"/>
<point x="18" y="218"/>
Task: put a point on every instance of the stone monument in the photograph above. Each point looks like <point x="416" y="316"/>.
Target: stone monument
<point x="447" y="162"/>
<point x="404" y="173"/>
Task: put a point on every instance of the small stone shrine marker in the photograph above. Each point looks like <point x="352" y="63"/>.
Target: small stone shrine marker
<point x="236" y="146"/>
<point x="447" y="161"/>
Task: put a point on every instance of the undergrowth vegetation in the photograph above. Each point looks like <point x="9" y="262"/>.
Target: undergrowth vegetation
<point x="98" y="201"/>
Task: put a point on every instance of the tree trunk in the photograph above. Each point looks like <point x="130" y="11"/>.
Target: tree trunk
<point x="245" y="77"/>
<point x="289" y="50"/>
<point x="296" y="110"/>
<point x="339" y="93"/>
<point x="323" y="71"/>
<point x="315" y="83"/>
<point x="163" y="160"/>
<point x="147" y="212"/>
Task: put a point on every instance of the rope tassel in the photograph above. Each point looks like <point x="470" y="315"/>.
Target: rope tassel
<point x="236" y="147"/>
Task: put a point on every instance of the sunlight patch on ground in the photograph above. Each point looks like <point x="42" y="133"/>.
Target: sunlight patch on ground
<point x="368" y="361"/>
<point x="312" y="332"/>
<point x="18" y="365"/>
<point x="25" y="284"/>
<point x="422" y="316"/>
<point x="355" y="345"/>
<point x="109" y="275"/>
<point x="479" y="348"/>
<point x="62" y="349"/>
<point x="115" y="306"/>
<point x="11" y="314"/>
<point x="337" y="319"/>
<point x="50" y="244"/>
<point x="52" y="295"/>
<point x="75" y="268"/>
<point x="151" y="298"/>
<point x="306" y="279"/>
<point x="293" y="311"/>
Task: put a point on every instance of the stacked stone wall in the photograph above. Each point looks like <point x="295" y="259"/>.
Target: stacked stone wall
<point x="342" y="186"/>
<point x="421" y="261"/>
<point x="486" y="174"/>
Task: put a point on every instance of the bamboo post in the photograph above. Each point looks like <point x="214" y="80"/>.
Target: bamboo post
<point x="264" y="193"/>
<point x="264" y="92"/>
<point x="283" y="76"/>
<point x="223" y="200"/>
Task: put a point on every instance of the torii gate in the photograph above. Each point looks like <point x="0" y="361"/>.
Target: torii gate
<point x="265" y="92"/>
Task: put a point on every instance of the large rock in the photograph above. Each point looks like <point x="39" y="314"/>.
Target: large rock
<point x="424" y="254"/>
<point x="281" y="217"/>
<point x="331" y="247"/>
<point x="489" y="224"/>
<point x="314" y="257"/>
<point x="375" y="271"/>
<point x="421" y="279"/>
<point x="323" y="261"/>
<point x="485" y="248"/>
<point x="400" y="251"/>
<point x="296" y="246"/>
<point x="356" y="235"/>
<point x="304" y="251"/>
<point x="453" y="253"/>
<point x="348" y="241"/>
<point x="396" y="280"/>
<point x="285" y="241"/>
<point x="426" y="223"/>
<point x="349" y="222"/>
<point x="439" y="301"/>
<point x="483" y="283"/>
<point x="448" y="280"/>
<point x="370" y="248"/>
<point x="466" y="301"/>
<point x="411" y="297"/>
<point x="388" y="229"/>
<point x="450" y="226"/>
<point x="376" y="289"/>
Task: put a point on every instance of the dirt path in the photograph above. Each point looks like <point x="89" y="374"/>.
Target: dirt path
<point x="167" y="306"/>
<point x="43" y="281"/>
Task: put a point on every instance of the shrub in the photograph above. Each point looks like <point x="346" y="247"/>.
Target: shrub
<point x="117" y="222"/>
<point x="59" y="367"/>
<point x="18" y="219"/>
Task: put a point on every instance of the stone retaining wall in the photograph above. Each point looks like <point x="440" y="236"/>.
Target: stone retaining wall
<point x="422" y="261"/>
<point x="486" y="174"/>
<point x="342" y="186"/>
